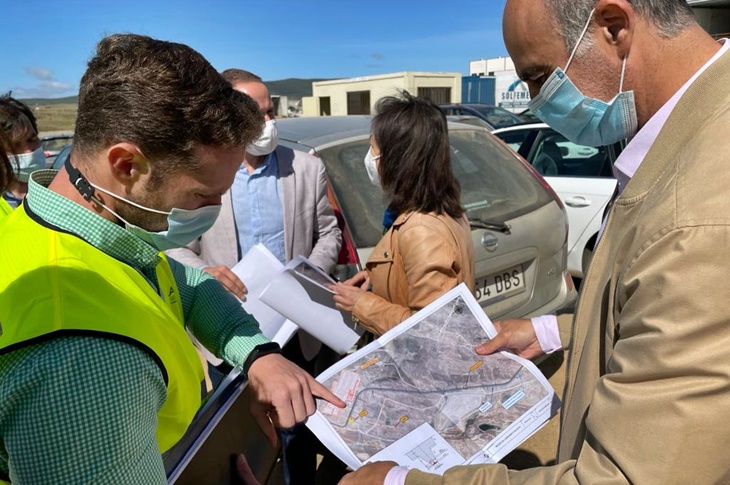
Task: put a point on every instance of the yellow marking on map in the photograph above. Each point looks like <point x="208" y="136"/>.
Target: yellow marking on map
<point x="370" y="363"/>
<point x="476" y="366"/>
<point x="362" y="414"/>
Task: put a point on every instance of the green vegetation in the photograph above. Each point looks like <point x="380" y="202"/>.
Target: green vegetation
<point x="55" y="117"/>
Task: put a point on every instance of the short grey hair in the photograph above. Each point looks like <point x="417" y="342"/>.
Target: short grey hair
<point x="669" y="16"/>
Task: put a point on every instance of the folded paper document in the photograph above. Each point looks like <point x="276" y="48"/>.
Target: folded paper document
<point x="286" y="298"/>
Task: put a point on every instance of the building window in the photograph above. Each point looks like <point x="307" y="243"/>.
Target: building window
<point x="325" y="109"/>
<point x="437" y="95"/>
<point x="358" y="103"/>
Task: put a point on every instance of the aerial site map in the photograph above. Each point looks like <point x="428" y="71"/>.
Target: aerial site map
<point x="421" y="396"/>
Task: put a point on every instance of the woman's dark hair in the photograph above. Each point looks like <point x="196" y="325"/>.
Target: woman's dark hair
<point x="415" y="163"/>
<point x="7" y="173"/>
<point x="17" y="124"/>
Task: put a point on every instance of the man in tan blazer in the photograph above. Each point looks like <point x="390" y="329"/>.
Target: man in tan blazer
<point x="279" y="198"/>
<point x="648" y="381"/>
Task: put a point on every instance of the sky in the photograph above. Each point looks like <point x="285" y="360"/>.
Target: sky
<point x="47" y="43"/>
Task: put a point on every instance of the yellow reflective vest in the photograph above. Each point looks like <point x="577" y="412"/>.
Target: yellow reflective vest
<point x="54" y="284"/>
<point x="5" y="208"/>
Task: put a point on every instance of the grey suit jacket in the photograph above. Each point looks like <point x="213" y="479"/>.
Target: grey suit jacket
<point x="310" y="225"/>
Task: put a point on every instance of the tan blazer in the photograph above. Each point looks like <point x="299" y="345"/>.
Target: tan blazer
<point x="648" y="386"/>
<point x="310" y="225"/>
<point x="419" y="259"/>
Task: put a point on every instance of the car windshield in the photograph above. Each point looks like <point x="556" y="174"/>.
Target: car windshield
<point x="514" y="139"/>
<point x="497" y="117"/>
<point x="55" y="144"/>
<point x="495" y="186"/>
<point x="61" y="158"/>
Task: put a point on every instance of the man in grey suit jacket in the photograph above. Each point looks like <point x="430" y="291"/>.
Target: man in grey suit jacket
<point x="279" y="198"/>
<point x="308" y="227"/>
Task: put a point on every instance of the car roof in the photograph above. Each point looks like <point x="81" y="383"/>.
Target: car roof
<point x="529" y="125"/>
<point x="57" y="136"/>
<point x="318" y="131"/>
<point x="468" y="105"/>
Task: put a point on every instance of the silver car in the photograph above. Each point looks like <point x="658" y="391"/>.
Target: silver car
<point x="519" y="224"/>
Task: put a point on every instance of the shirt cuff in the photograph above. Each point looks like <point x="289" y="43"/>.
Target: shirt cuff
<point x="396" y="476"/>
<point x="548" y="334"/>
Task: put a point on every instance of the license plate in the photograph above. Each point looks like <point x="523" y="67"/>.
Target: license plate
<point x="501" y="285"/>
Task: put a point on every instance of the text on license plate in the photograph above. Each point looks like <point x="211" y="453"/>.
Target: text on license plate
<point x="501" y="285"/>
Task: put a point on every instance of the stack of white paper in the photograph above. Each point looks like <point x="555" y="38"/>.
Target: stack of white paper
<point x="286" y="298"/>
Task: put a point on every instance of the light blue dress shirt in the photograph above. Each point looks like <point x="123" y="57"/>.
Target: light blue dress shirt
<point x="258" y="208"/>
<point x="12" y="200"/>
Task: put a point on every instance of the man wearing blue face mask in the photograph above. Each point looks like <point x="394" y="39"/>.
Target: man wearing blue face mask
<point x="24" y="150"/>
<point x="98" y="376"/>
<point x="278" y="199"/>
<point x="648" y="364"/>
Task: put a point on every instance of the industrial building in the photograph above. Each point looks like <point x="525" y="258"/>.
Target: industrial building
<point x="357" y="96"/>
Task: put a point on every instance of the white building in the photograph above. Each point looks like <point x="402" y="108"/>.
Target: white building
<point x="510" y="92"/>
<point x="356" y="96"/>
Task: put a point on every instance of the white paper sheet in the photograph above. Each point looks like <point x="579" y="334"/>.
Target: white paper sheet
<point x="257" y="269"/>
<point x="311" y="306"/>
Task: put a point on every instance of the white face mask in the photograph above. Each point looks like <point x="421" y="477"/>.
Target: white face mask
<point x="371" y="165"/>
<point x="28" y="163"/>
<point x="267" y="141"/>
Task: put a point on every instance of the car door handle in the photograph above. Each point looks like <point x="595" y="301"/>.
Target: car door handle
<point x="577" y="201"/>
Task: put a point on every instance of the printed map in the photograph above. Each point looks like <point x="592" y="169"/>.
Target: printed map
<point x="430" y="377"/>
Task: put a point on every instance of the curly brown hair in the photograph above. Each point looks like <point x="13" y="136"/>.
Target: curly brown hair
<point x="164" y="97"/>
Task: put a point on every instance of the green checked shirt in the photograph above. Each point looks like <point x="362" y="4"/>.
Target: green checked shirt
<point x="84" y="409"/>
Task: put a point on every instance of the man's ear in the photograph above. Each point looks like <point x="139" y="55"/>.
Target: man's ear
<point x="617" y="21"/>
<point x="126" y="163"/>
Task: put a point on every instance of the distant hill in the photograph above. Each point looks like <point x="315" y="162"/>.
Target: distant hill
<point x="50" y="101"/>
<point x="292" y="87"/>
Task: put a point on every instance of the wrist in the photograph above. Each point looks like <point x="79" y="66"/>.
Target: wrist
<point x="260" y="351"/>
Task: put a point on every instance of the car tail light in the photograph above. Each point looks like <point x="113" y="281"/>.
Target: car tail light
<point x="348" y="251"/>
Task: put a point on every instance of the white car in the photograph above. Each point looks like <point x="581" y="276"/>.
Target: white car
<point x="582" y="176"/>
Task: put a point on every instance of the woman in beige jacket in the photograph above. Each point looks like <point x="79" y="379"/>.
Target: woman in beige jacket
<point x="428" y="250"/>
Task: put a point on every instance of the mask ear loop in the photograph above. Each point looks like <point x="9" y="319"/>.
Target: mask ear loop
<point x="580" y="40"/>
<point x="623" y="72"/>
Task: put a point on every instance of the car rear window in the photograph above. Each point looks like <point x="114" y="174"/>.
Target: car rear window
<point x="495" y="186"/>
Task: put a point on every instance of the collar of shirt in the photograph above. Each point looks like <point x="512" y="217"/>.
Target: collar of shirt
<point x="630" y="159"/>
<point x="101" y="233"/>
<point x="269" y="166"/>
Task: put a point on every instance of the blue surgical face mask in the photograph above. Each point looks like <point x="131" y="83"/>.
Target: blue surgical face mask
<point x="583" y="120"/>
<point x="28" y="163"/>
<point x="183" y="226"/>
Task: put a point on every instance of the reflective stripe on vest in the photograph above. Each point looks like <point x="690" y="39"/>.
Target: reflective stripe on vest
<point x="5" y="208"/>
<point x="54" y="284"/>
